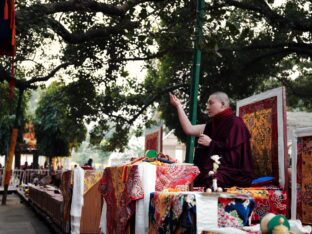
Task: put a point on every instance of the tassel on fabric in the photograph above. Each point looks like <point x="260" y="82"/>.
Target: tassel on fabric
<point x="12" y="81"/>
<point x="6" y="10"/>
<point x="12" y="26"/>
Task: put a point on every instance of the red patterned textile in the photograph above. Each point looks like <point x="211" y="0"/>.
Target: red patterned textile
<point x="261" y="121"/>
<point x="120" y="187"/>
<point x="171" y="176"/>
<point x="268" y="199"/>
<point x="175" y="212"/>
<point x="165" y="210"/>
<point x="304" y="179"/>
<point x="7" y="28"/>
<point x="265" y="117"/>
<point x="66" y="189"/>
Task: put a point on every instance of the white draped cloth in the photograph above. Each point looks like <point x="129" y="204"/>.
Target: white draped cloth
<point x="77" y="200"/>
<point x="147" y="174"/>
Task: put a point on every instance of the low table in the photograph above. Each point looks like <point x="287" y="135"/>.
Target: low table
<point x="194" y="212"/>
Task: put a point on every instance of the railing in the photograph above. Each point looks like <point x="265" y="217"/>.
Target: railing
<point x="20" y="176"/>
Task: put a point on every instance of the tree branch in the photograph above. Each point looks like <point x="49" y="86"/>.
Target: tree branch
<point x="80" y="6"/>
<point x="279" y="52"/>
<point x="261" y="7"/>
<point x="70" y="6"/>
<point x="299" y="48"/>
<point x="166" y="90"/>
<point x="297" y="91"/>
<point x="47" y="77"/>
<point x="147" y="57"/>
<point x="91" y="34"/>
<point x="29" y="84"/>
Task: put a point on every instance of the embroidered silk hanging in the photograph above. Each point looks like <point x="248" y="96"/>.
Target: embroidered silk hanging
<point x="7" y="28"/>
<point x="7" y="35"/>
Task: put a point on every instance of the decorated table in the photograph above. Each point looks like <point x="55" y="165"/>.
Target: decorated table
<point x="56" y="203"/>
<point x="50" y="201"/>
<point x="268" y="199"/>
<point x="195" y="212"/>
<point x="126" y="192"/>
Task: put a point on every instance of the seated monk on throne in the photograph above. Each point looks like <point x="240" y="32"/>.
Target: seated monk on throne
<point x="225" y="135"/>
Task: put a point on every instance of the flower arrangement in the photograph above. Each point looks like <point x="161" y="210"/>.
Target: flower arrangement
<point x="215" y="166"/>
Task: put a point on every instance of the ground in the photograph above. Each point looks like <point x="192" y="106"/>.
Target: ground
<point x="17" y="217"/>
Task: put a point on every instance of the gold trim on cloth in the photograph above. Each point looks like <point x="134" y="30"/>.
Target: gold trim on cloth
<point x="91" y="178"/>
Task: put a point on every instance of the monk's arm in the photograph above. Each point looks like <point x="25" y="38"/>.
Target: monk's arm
<point x="188" y="128"/>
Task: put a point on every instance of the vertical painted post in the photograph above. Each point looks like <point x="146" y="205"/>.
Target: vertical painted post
<point x="195" y="77"/>
<point x="8" y="163"/>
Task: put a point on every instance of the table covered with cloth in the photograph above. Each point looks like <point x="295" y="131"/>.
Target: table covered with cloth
<point x="194" y="212"/>
<point x="268" y="199"/>
<point x="49" y="202"/>
<point x="126" y="191"/>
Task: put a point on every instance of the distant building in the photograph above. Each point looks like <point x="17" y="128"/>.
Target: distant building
<point x="298" y="120"/>
<point x="173" y="147"/>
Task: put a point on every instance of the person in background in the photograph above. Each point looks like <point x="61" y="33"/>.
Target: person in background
<point x="25" y="166"/>
<point x="46" y="165"/>
<point x="88" y="165"/>
<point x="225" y="135"/>
<point x="1" y="172"/>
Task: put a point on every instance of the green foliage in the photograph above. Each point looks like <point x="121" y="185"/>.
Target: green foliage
<point x="57" y="126"/>
<point x="241" y="55"/>
<point x="247" y="47"/>
<point x="8" y="117"/>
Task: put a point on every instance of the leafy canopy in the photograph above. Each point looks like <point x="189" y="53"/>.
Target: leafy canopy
<point x="247" y="46"/>
<point x="57" y="127"/>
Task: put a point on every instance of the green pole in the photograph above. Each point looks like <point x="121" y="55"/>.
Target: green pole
<point x="195" y="78"/>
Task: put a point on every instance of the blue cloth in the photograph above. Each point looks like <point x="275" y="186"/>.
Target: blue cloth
<point x="264" y="179"/>
<point x="243" y="208"/>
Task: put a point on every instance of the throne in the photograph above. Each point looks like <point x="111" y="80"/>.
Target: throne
<point x="265" y="117"/>
<point x="301" y="179"/>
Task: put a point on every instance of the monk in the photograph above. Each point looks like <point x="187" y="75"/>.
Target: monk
<point x="225" y="135"/>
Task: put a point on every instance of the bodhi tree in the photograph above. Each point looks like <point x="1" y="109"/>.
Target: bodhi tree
<point x="93" y="39"/>
<point x="7" y="117"/>
<point x="247" y="46"/>
<point x="58" y="129"/>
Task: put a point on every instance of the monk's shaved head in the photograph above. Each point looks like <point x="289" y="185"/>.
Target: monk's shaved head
<point x="222" y="97"/>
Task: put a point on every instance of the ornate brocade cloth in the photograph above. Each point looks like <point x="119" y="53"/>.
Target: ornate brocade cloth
<point x="122" y="186"/>
<point x="173" y="176"/>
<point x="268" y="199"/>
<point x="304" y="179"/>
<point x="176" y="212"/>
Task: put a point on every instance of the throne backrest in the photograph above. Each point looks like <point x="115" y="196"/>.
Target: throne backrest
<point x="301" y="178"/>
<point x="265" y="117"/>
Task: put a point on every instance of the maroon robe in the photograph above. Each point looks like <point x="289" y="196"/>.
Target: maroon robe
<point x="231" y="141"/>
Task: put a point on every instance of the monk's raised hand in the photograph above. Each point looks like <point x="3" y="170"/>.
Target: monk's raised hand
<point x="174" y="100"/>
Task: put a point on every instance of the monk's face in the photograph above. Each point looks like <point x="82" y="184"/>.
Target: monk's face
<point x="214" y="106"/>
